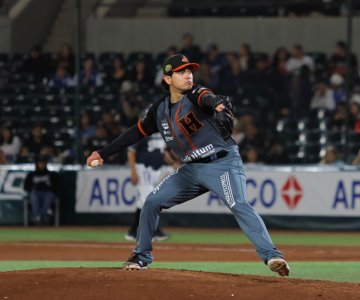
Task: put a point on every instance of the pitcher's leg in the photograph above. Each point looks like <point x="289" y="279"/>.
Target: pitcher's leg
<point x="227" y="179"/>
<point x="176" y="188"/>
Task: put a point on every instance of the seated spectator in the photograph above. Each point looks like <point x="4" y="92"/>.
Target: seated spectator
<point x="118" y="71"/>
<point x="189" y="49"/>
<point x="251" y="155"/>
<point x="61" y="78"/>
<point x="338" y="59"/>
<point x="216" y="61"/>
<point x="36" y="64"/>
<point x="301" y="93"/>
<point x="337" y="85"/>
<point x="9" y="144"/>
<point x="339" y="118"/>
<point x="3" y="160"/>
<point x="110" y="125"/>
<point x="66" y="59"/>
<point x="38" y="144"/>
<point x="280" y="59"/>
<point x="299" y="60"/>
<point x="246" y="58"/>
<point x="332" y="157"/>
<point x="42" y="186"/>
<point x="141" y="75"/>
<point x="355" y="113"/>
<point x="323" y="97"/>
<point x="89" y="75"/>
<point x="87" y="129"/>
<point x="230" y="75"/>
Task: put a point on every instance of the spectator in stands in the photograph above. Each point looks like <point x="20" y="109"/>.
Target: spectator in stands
<point x="280" y="59"/>
<point x="299" y="60"/>
<point x="61" y="78"/>
<point x="101" y="138"/>
<point x="332" y="157"/>
<point x="338" y="60"/>
<point x="230" y="75"/>
<point x="275" y="153"/>
<point x="323" y="97"/>
<point x="87" y="129"/>
<point x="118" y="71"/>
<point x="9" y="144"/>
<point x="280" y="82"/>
<point x="38" y="144"/>
<point x="251" y="155"/>
<point x="141" y="75"/>
<point x="42" y="186"/>
<point x="89" y="75"/>
<point x="66" y="59"/>
<point x="129" y="109"/>
<point x="336" y="82"/>
<point x="189" y="49"/>
<point x="355" y="113"/>
<point x="301" y="93"/>
<point x="216" y="62"/>
<point x="36" y="64"/>
<point x="246" y="57"/>
<point x="3" y="160"/>
<point x="253" y="139"/>
<point x="110" y="125"/>
<point x="339" y="117"/>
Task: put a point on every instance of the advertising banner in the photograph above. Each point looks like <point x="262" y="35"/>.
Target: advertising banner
<point x="269" y="192"/>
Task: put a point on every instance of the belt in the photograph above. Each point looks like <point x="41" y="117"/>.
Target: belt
<point x="210" y="158"/>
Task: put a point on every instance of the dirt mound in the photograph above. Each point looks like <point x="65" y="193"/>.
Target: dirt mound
<point x="155" y="284"/>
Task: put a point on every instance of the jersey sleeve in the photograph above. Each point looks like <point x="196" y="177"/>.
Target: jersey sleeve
<point x="148" y="125"/>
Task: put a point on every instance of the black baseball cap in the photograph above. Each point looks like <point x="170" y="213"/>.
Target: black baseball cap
<point x="175" y="63"/>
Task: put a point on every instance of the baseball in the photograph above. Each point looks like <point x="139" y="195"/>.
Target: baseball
<point x="95" y="163"/>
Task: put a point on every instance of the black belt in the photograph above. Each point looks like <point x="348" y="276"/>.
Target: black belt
<point x="210" y="158"/>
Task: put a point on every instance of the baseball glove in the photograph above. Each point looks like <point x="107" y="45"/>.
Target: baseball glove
<point x="225" y="118"/>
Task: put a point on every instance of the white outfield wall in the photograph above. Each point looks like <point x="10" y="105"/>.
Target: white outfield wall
<point x="263" y="34"/>
<point x="276" y="192"/>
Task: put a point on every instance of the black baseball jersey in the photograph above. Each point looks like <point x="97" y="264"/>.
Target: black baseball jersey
<point x="150" y="151"/>
<point x="189" y="130"/>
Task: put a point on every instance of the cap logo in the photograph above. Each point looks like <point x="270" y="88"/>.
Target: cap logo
<point x="184" y="59"/>
<point x="168" y="68"/>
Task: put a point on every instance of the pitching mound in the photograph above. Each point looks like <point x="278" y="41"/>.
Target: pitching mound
<point x="83" y="283"/>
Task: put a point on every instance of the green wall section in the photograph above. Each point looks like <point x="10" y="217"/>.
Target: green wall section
<point x="345" y="271"/>
<point x="195" y="236"/>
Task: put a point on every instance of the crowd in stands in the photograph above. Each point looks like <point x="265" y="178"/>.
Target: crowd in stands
<point x="290" y="106"/>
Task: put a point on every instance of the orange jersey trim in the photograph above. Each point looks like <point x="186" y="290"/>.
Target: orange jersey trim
<point x="201" y="94"/>
<point x="140" y="128"/>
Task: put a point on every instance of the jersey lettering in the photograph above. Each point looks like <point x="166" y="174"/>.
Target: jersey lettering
<point x="190" y="123"/>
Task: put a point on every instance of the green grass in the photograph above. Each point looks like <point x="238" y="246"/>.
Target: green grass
<point x="345" y="271"/>
<point x="195" y="236"/>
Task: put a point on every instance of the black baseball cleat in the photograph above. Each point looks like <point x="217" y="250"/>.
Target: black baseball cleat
<point x="135" y="263"/>
<point x="279" y="265"/>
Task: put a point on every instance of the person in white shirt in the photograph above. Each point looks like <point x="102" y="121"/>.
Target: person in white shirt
<point x="323" y="97"/>
<point x="9" y="144"/>
<point x="299" y="59"/>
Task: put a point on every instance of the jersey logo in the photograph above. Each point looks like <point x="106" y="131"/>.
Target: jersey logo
<point x="190" y="123"/>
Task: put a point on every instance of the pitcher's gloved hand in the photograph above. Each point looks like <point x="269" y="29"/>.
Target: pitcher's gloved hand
<point x="225" y="118"/>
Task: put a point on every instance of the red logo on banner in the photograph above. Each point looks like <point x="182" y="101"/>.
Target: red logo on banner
<point x="291" y="192"/>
